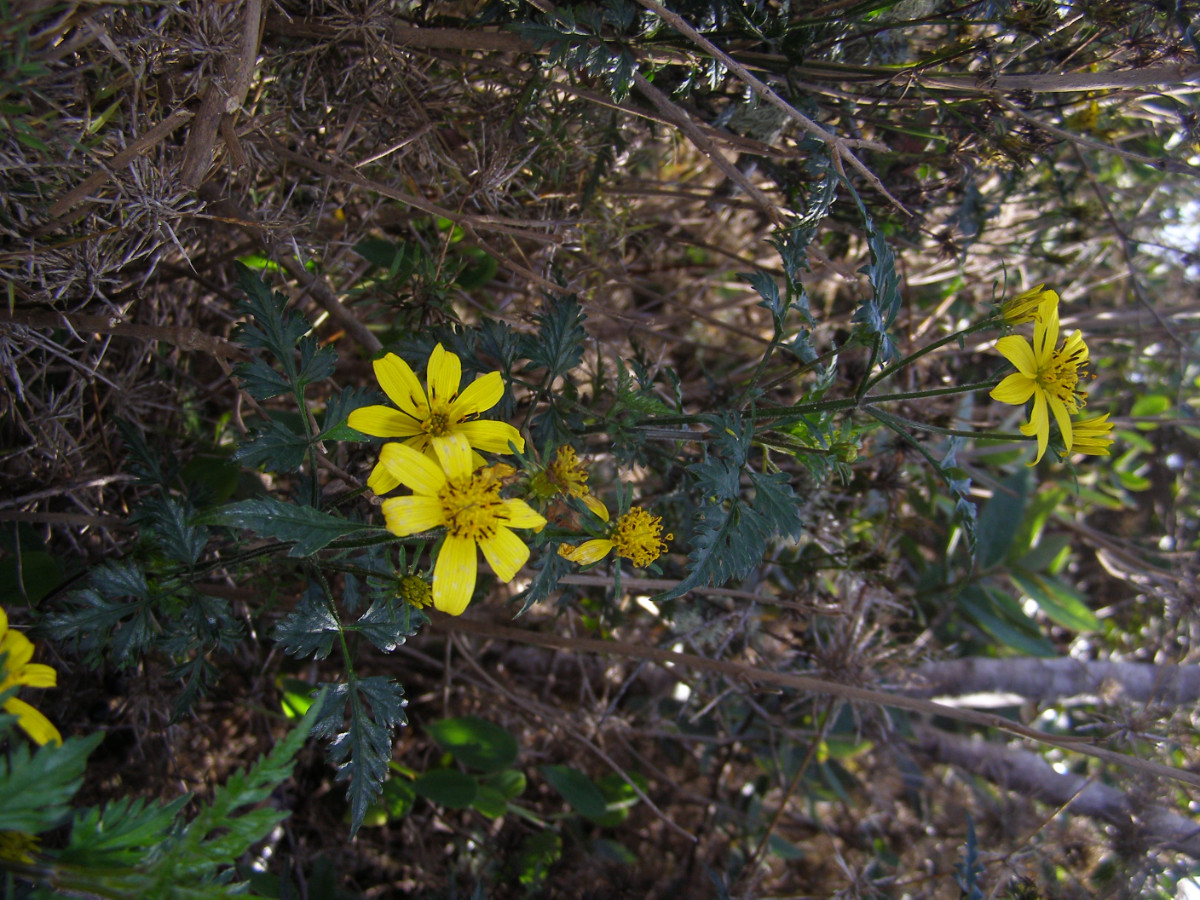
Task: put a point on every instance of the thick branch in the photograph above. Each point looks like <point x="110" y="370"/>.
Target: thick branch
<point x="1028" y="774"/>
<point x="1043" y="680"/>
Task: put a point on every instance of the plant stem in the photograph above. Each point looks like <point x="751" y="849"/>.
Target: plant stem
<point x="929" y="348"/>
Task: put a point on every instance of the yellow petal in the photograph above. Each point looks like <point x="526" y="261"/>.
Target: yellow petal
<point x="454" y="575"/>
<point x="1017" y="351"/>
<point x="1063" y="418"/>
<point x="596" y="505"/>
<point x="412" y="468"/>
<point x="382" y="421"/>
<point x="505" y="553"/>
<point x="400" y="383"/>
<point x="382" y="481"/>
<point x="454" y="453"/>
<point x="444" y="375"/>
<point x="19" y="650"/>
<point x="1015" y="389"/>
<point x="521" y="515"/>
<point x="32" y="722"/>
<point x="480" y="395"/>
<point x="1039" y="422"/>
<point x="1045" y="332"/>
<point x="408" y="515"/>
<point x="492" y="436"/>
<point x="38" y="676"/>
<point x="588" y="552"/>
<point x="3" y="622"/>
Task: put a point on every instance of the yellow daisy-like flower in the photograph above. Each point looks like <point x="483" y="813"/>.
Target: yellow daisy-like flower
<point x="455" y="494"/>
<point x="1093" y="435"/>
<point x="567" y="476"/>
<point x="18" y="670"/>
<point x="423" y="420"/>
<point x="1026" y="307"/>
<point x="1047" y="373"/>
<point x="636" y="536"/>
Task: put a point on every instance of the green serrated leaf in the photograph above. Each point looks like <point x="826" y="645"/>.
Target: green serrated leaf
<point x="362" y="750"/>
<point x="558" y="344"/>
<point x="309" y="529"/>
<point x="275" y="446"/>
<point x="55" y="772"/>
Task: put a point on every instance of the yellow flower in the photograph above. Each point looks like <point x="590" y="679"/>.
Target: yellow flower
<point x="1092" y="435"/>
<point x="455" y="494"/>
<point x="424" y="420"/>
<point x="1045" y="372"/>
<point x="1026" y="307"/>
<point x="636" y="536"/>
<point x="18" y="670"/>
<point x="567" y="476"/>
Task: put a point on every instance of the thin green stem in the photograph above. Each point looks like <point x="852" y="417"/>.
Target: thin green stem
<point x="929" y="348"/>
<point x="866" y="383"/>
<point x="949" y="432"/>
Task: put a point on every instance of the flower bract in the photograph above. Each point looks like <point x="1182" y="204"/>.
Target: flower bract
<point x="423" y="419"/>
<point x="1026" y="307"/>
<point x="453" y="493"/>
<point x="18" y="670"/>
<point x="636" y="536"/>
<point x="1046" y="373"/>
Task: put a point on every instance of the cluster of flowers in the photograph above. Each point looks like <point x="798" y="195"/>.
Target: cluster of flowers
<point x="453" y="487"/>
<point x="1049" y="374"/>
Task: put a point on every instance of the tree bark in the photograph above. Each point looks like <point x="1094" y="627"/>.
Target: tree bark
<point x="1028" y="774"/>
<point x="1042" y="680"/>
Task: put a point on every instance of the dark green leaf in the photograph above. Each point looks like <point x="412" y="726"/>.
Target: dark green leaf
<point x="558" y="344"/>
<point x="309" y="630"/>
<point x="275" y="446"/>
<point x="476" y="743"/>
<point x="36" y="787"/>
<point x="387" y="624"/>
<point x="309" y="529"/>
<point x="447" y="787"/>
<point x="1000" y="518"/>
<point x="1061" y="603"/>
<point x="577" y="789"/>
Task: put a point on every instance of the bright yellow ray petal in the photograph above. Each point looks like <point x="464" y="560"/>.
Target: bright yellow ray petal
<point x="3" y="622"/>
<point x="1039" y="420"/>
<point x="521" y="515"/>
<point x="454" y="453"/>
<point x="408" y="515"/>
<point x="412" y="468"/>
<point x="1017" y="351"/>
<point x="479" y="396"/>
<point x="382" y="481"/>
<point x="400" y="383"/>
<point x="38" y="676"/>
<point x="19" y="649"/>
<point x="596" y="505"/>
<point x="505" y="553"/>
<point x="1063" y="418"/>
<point x="1045" y="332"/>
<point x="382" y="421"/>
<point x="32" y="722"/>
<point x="454" y="575"/>
<point x="444" y="375"/>
<point x="1015" y="389"/>
<point x="588" y="552"/>
<point x="491" y="436"/>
